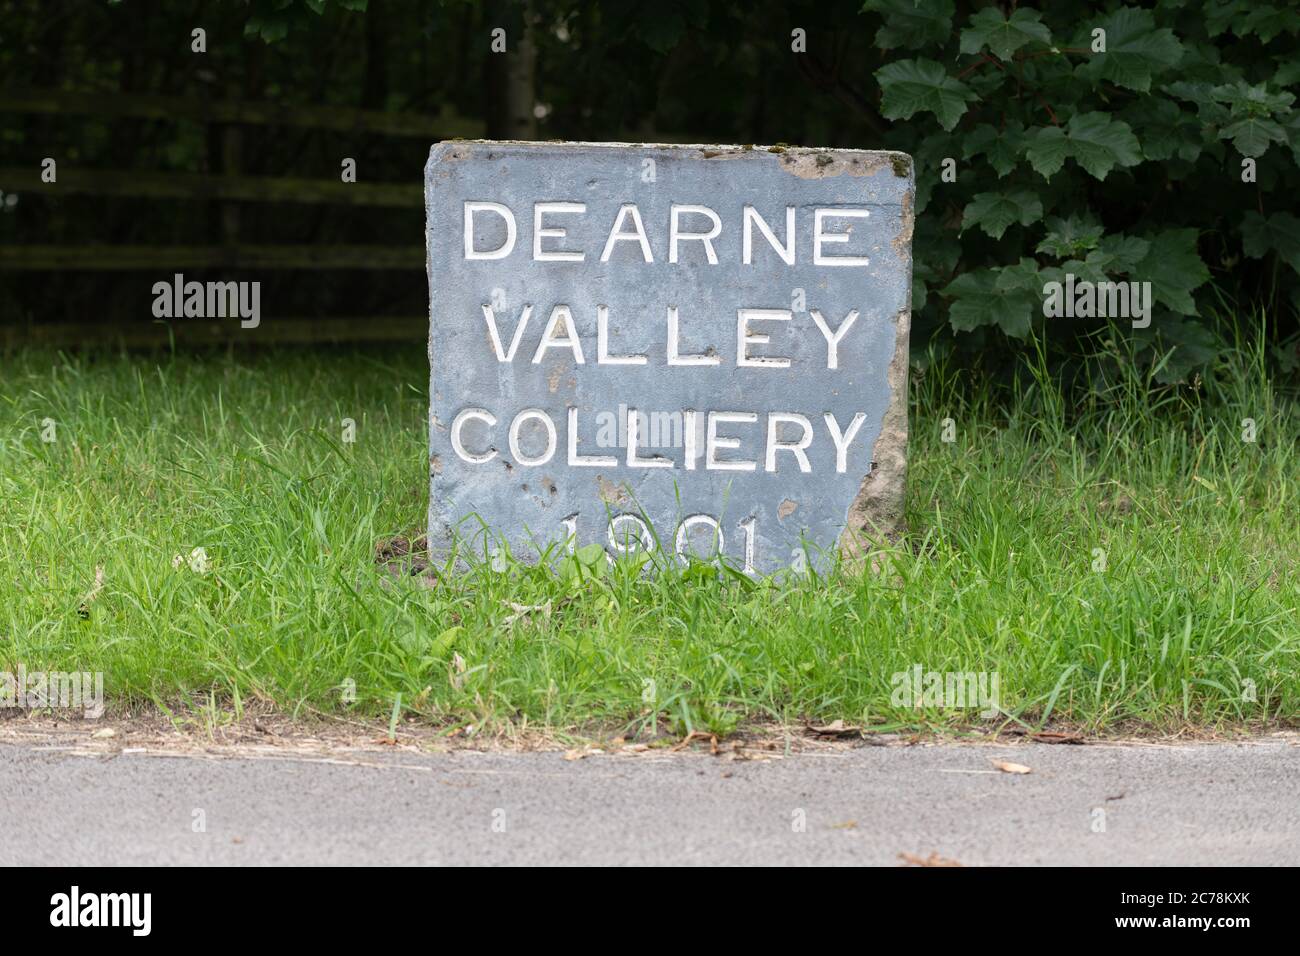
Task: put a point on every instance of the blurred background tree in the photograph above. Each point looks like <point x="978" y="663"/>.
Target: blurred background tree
<point x="993" y="87"/>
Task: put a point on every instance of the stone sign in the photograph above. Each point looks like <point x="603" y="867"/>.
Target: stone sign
<point x="683" y="349"/>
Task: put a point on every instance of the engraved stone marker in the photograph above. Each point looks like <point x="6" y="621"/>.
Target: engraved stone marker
<point x="684" y="349"/>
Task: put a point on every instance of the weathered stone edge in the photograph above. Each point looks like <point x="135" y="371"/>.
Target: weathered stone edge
<point x="743" y="148"/>
<point x="877" y="516"/>
<point x="801" y="161"/>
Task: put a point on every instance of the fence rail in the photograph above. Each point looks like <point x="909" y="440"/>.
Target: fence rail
<point x="244" y="112"/>
<point x="227" y="188"/>
<point x="198" y="333"/>
<point x="150" y="185"/>
<point x="100" y="258"/>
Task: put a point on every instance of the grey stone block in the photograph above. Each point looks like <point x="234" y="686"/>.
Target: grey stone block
<point x="628" y="344"/>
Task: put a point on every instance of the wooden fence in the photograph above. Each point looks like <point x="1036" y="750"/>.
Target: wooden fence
<point x="231" y="188"/>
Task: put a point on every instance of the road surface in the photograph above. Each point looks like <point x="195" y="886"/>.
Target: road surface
<point x="1224" y="803"/>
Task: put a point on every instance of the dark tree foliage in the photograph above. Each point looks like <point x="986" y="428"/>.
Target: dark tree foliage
<point x="1122" y="162"/>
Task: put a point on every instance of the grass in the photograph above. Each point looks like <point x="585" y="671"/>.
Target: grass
<point x="1195" y="618"/>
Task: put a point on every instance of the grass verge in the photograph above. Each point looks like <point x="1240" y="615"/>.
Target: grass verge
<point x="1124" y="561"/>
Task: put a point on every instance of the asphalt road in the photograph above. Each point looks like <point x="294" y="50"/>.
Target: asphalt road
<point x="1097" y="804"/>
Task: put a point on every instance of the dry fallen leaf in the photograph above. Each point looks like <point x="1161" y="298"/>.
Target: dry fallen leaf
<point x="934" y="859"/>
<point x="1007" y="767"/>
<point x="456" y="671"/>
<point x="1056" y="737"/>
<point x="836" y="728"/>
<point x="106" y="732"/>
<point x="83" y="610"/>
<point x="696" y="735"/>
<point x="522" y="612"/>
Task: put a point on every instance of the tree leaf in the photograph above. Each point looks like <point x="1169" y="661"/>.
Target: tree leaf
<point x="1023" y="278"/>
<point x="1248" y="100"/>
<point x="918" y="293"/>
<point x="1099" y="143"/>
<point x="1001" y="147"/>
<point x="1135" y="51"/>
<point x="1046" y="148"/>
<point x="1267" y="21"/>
<point x="1288" y="74"/>
<point x="976" y="300"/>
<point x="1252" y="135"/>
<point x="271" y="28"/>
<point x="1174" y="268"/>
<point x="911" y="24"/>
<point x="1164" y="129"/>
<point x="1004" y="37"/>
<point x="995" y="211"/>
<point x="1092" y="268"/>
<point x="913" y="86"/>
<point x="1194" y="91"/>
<point x="998" y="297"/>
<point x="1096" y="141"/>
<point x="1278" y="233"/>
<point x="1292" y="127"/>
<point x="1075" y="236"/>
<point x="1219" y="17"/>
<point x="1125" y="253"/>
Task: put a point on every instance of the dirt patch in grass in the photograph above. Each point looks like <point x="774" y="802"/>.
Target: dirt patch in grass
<point x="403" y="557"/>
<point x="262" y="733"/>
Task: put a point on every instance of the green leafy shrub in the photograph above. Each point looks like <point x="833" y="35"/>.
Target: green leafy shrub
<point x="1148" y="145"/>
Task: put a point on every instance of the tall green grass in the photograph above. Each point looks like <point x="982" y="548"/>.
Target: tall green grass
<point x="1195" y="618"/>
